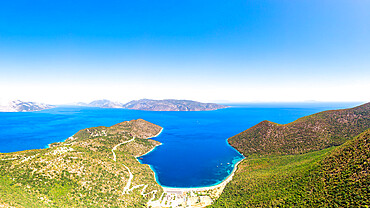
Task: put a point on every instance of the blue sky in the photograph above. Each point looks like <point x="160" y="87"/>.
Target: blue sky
<point x="235" y="51"/>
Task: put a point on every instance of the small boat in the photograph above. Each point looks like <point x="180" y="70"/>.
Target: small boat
<point x="141" y="158"/>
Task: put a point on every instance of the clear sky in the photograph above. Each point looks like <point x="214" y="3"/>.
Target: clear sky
<point x="209" y="50"/>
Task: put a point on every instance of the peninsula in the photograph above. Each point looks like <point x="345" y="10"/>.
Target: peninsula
<point x="95" y="167"/>
<point x="310" y="133"/>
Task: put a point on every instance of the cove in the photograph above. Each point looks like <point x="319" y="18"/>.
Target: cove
<point x="195" y="152"/>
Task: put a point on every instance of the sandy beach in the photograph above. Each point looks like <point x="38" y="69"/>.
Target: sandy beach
<point x="223" y="183"/>
<point x="178" y="197"/>
<point x="174" y="190"/>
<point x="191" y="197"/>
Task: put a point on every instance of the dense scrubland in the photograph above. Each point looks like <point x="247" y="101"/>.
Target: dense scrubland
<point x="81" y="172"/>
<point x="310" y="133"/>
<point x="320" y="160"/>
<point x="304" y="163"/>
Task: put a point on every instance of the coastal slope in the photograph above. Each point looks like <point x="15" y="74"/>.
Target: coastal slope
<point x="96" y="167"/>
<point x="21" y="106"/>
<point x="171" y="105"/>
<point x="310" y="133"/>
<point x="320" y="160"/>
<point x="333" y="177"/>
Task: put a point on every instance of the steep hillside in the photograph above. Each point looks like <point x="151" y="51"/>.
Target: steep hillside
<point x="333" y="177"/>
<point x="310" y="133"/>
<point x="96" y="167"/>
<point x="171" y="105"/>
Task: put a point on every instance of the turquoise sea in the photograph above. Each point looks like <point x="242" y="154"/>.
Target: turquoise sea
<point x="194" y="153"/>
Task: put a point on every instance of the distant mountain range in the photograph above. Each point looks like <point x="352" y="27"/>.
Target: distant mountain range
<point x="20" y="106"/>
<point x="171" y="105"/>
<point x="157" y="105"/>
<point x="143" y="104"/>
<point x="102" y="104"/>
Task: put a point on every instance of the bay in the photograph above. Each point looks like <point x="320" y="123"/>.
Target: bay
<point x="195" y="152"/>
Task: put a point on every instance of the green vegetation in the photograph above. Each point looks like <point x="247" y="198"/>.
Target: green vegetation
<point x="310" y="133"/>
<point x="334" y="177"/>
<point x="312" y="162"/>
<point x="301" y="165"/>
<point x="81" y="172"/>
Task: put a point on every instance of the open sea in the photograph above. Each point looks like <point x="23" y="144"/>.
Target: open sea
<point x="195" y="152"/>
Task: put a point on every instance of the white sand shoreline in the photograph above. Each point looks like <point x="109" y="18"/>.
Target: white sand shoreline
<point x="192" y="197"/>
<point x="223" y="183"/>
<point x="174" y="189"/>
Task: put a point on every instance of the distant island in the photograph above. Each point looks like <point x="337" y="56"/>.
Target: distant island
<point x="143" y="104"/>
<point x="156" y="105"/>
<point x="102" y="104"/>
<point x="171" y="105"/>
<point x="21" y="106"/>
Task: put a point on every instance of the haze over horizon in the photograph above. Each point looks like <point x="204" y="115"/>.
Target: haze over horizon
<point x="208" y="51"/>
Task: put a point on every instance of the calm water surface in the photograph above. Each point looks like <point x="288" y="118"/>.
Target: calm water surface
<point x="194" y="151"/>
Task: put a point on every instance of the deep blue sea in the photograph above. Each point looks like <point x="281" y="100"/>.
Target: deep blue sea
<point x="194" y="153"/>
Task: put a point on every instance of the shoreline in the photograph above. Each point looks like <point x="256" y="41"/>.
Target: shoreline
<point x="175" y="189"/>
<point x="48" y="145"/>
<point x="148" y="153"/>
<point x="153" y="147"/>
<point x="156" y="134"/>
<point x="222" y="183"/>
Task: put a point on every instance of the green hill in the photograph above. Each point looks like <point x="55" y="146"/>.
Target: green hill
<point x="82" y="172"/>
<point x="333" y="177"/>
<point x="310" y="133"/>
<point x="301" y="164"/>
